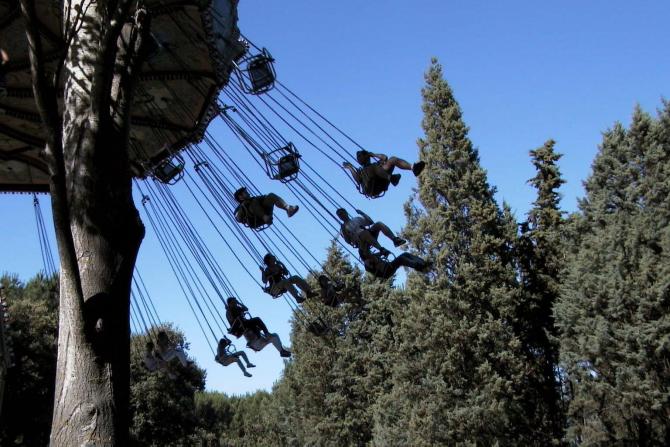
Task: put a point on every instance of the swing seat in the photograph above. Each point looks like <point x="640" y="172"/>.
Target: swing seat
<point x="243" y="216"/>
<point x="170" y="170"/>
<point x="256" y="73"/>
<point x="276" y="294"/>
<point x="283" y="164"/>
<point x="373" y="188"/>
<point x="318" y="327"/>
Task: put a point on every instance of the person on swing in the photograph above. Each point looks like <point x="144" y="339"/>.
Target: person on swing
<point x="225" y="357"/>
<point x="254" y="329"/>
<point x="381" y="267"/>
<point x="257" y="211"/>
<point x="373" y="178"/>
<point x="276" y="276"/>
<point x="362" y="230"/>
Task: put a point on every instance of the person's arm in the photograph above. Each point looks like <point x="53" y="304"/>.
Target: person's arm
<point x="4" y="56"/>
<point x="381" y="157"/>
<point x="284" y="270"/>
<point x="368" y="220"/>
<point x="264" y="274"/>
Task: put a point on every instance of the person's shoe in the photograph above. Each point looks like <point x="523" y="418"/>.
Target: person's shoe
<point x="395" y="178"/>
<point x="312" y="294"/>
<point x="398" y="241"/>
<point x="246" y="374"/>
<point x="250" y="365"/>
<point x="299" y="299"/>
<point x="427" y="266"/>
<point x="292" y="210"/>
<point x="417" y="167"/>
<point x="285" y="353"/>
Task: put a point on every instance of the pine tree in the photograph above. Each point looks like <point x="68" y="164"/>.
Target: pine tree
<point x="613" y="310"/>
<point x="459" y="370"/>
<point x="540" y="258"/>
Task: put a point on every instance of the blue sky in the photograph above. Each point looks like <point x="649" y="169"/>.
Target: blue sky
<point x="522" y="71"/>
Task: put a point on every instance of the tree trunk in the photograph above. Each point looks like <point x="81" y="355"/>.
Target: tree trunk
<point x="97" y="227"/>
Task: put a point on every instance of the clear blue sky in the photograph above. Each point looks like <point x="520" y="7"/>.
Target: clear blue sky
<point x="522" y="71"/>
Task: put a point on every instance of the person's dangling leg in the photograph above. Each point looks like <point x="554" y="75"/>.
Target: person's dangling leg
<point x="245" y="358"/>
<point x="395" y="162"/>
<point x="411" y="261"/>
<point x="381" y="226"/>
<point x="276" y="342"/>
<point x="302" y="285"/>
<point x="273" y="199"/>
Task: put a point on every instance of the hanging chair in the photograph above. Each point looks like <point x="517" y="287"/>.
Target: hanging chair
<point x="371" y="186"/>
<point x="283" y="164"/>
<point x="170" y="170"/>
<point x="318" y="327"/>
<point x="248" y="219"/>
<point x="256" y="72"/>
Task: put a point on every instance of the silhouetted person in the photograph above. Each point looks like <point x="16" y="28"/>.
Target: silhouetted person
<point x="167" y="351"/>
<point x="278" y="280"/>
<point x="254" y="330"/>
<point x="381" y="267"/>
<point x="362" y="230"/>
<point x="225" y="357"/>
<point x="374" y="178"/>
<point x="257" y="211"/>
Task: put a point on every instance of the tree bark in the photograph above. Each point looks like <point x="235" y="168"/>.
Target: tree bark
<point x="97" y="225"/>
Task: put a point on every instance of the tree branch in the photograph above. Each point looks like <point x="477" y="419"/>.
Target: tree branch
<point x="46" y="100"/>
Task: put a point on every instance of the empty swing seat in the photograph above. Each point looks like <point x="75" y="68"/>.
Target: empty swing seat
<point x="170" y="170"/>
<point x="283" y="164"/>
<point x="256" y="73"/>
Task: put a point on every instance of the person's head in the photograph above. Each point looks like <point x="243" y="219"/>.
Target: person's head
<point x="323" y="280"/>
<point x="342" y="214"/>
<point x="161" y="336"/>
<point x="224" y="341"/>
<point x="150" y="346"/>
<point x="363" y="157"/>
<point x="231" y="301"/>
<point x="269" y="259"/>
<point x="241" y="194"/>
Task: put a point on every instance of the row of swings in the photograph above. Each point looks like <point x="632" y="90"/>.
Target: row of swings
<point x="256" y="76"/>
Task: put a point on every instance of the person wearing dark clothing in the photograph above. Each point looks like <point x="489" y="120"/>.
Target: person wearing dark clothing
<point x="257" y="211"/>
<point x="226" y="357"/>
<point x="362" y="230"/>
<point x="254" y="330"/>
<point x="373" y="178"/>
<point x="335" y="293"/>
<point x="381" y="267"/>
<point x="277" y="280"/>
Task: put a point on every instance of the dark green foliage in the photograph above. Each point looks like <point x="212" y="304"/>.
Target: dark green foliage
<point x="29" y="391"/>
<point x="540" y="258"/>
<point x="237" y="421"/>
<point x="163" y="402"/>
<point x="613" y="311"/>
<point x="459" y="372"/>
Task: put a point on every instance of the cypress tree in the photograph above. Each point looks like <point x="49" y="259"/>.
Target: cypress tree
<point x="613" y="310"/>
<point x="459" y="370"/>
<point x="540" y="258"/>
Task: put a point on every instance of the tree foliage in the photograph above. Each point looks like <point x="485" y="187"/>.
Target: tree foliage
<point x="613" y="311"/>
<point x="29" y="391"/>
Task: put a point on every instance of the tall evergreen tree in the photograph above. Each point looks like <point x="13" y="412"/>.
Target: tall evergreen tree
<point x="613" y="310"/>
<point x="460" y="370"/>
<point x="540" y="258"/>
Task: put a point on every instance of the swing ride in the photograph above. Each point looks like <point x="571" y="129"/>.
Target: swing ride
<point x="184" y="88"/>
